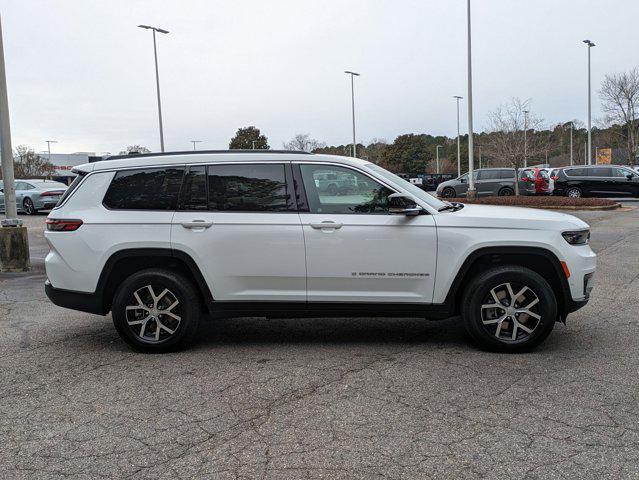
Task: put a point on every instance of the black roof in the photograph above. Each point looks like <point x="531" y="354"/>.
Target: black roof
<point x="193" y="152"/>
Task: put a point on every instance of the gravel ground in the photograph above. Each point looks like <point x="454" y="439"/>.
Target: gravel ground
<point x="327" y="398"/>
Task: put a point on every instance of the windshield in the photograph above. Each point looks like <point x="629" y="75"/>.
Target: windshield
<point x="409" y="187"/>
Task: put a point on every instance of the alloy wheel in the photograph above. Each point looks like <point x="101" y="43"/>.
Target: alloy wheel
<point x="510" y="316"/>
<point x="574" y="193"/>
<point x="153" y="317"/>
<point x="28" y="206"/>
<point x="448" y="193"/>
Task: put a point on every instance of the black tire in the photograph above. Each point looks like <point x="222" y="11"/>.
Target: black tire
<point x="188" y="309"/>
<point x="332" y="189"/>
<point x="28" y="207"/>
<point x="574" y="192"/>
<point x="506" y="192"/>
<point x="449" y="192"/>
<point x="478" y="293"/>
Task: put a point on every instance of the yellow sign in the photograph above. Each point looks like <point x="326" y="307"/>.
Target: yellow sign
<point x="604" y="156"/>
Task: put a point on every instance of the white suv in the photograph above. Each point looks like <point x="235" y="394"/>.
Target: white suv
<point x="161" y="239"/>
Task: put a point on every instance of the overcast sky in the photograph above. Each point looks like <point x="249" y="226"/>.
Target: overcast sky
<point x="81" y="73"/>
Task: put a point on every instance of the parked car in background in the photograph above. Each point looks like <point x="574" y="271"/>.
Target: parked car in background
<point x="34" y="195"/>
<point x="488" y="182"/>
<point x="597" y="180"/>
<point x="539" y="177"/>
<point x="552" y="176"/>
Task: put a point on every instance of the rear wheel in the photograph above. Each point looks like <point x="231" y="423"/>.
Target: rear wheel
<point x="506" y="192"/>
<point x="574" y="192"/>
<point x="156" y="311"/>
<point x="509" y="309"/>
<point x="448" y="192"/>
<point x="28" y="207"/>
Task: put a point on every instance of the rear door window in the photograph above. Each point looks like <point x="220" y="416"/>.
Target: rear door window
<point x="599" y="172"/>
<point x="489" y="175"/>
<point x="248" y="188"/>
<point x="576" y="172"/>
<point x="145" y="189"/>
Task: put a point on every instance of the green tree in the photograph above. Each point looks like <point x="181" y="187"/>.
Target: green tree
<point x="410" y="153"/>
<point x="248" y="138"/>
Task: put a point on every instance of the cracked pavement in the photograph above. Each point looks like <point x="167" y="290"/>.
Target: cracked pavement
<point x="324" y="398"/>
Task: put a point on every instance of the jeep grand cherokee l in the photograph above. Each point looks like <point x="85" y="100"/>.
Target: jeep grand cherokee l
<point x="161" y="239"/>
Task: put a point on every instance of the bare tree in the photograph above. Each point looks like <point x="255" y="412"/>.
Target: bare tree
<point x="506" y="140"/>
<point x="619" y="95"/>
<point x="29" y="164"/>
<point x="303" y="142"/>
<point x="135" y="149"/>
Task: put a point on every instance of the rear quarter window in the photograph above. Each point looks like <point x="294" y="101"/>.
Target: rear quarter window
<point x="145" y="189"/>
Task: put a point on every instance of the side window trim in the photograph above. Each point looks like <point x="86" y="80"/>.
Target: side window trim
<point x="299" y="189"/>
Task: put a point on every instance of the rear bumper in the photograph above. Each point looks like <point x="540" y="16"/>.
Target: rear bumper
<point x="81" y="301"/>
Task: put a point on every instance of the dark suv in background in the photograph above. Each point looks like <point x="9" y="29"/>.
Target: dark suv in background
<point x="596" y="180"/>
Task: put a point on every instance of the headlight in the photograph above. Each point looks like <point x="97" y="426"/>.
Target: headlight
<point x="580" y="237"/>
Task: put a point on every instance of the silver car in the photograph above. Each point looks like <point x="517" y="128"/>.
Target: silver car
<point x="488" y="182"/>
<point x="34" y="195"/>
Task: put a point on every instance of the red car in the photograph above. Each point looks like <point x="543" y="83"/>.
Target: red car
<point x="539" y="177"/>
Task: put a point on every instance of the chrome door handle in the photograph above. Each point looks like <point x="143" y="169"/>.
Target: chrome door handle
<point x="325" y="224"/>
<point x="197" y="224"/>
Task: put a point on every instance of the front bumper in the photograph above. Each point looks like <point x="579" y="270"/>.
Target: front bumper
<point x="81" y="301"/>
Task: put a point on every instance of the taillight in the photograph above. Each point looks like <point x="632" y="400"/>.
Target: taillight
<point x="58" y="225"/>
<point x="525" y="179"/>
<point x="51" y="193"/>
<point x="554" y="178"/>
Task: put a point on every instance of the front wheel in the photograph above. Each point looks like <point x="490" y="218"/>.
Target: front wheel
<point x="156" y="311"/>
<point x="509" y="309"/>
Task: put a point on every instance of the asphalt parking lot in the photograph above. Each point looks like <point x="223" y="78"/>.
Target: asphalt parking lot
<point x="328" y="398"/>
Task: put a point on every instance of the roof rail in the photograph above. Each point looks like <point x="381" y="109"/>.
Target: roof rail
<point x="194" y="152"/>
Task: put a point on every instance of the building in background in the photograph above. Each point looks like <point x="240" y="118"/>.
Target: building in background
<point x="65" y="162"/>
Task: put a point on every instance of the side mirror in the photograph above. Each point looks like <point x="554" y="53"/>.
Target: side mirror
<point x="630" y="176"/>
<point x="400" y="204"/>
<point x="462" y="180"/>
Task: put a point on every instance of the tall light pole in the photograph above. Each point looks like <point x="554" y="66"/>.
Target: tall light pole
<point x="479" y="147"/>
<point x="471" y="194"/>
<point x="6" y="152"/>
<point x="572" y="125"/>
<point x="353" y="74"/>
<point x="49" y="142"/>
<point x="458" y="98"/>
<point x="589" y="157"/>
<point x="526" y="112"/>
<point x="194" y="142"/>
<point x="157" y="78"/>
<point x="253" y="144"/>
<point x="438" y="147"/>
